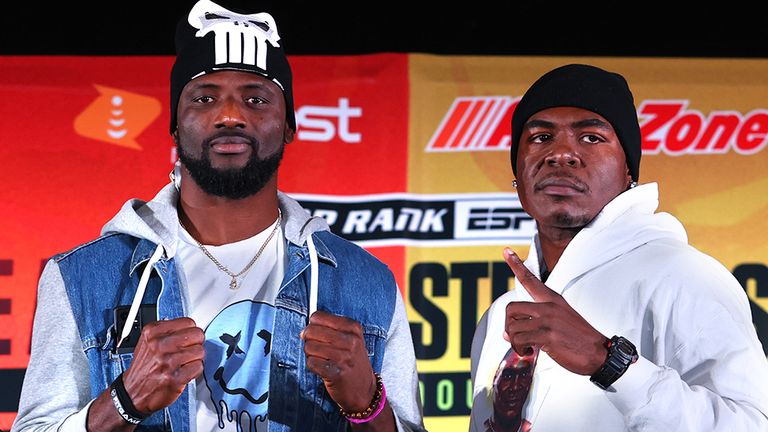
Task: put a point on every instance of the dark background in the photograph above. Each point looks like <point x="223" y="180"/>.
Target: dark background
<point x="725" y="29"/>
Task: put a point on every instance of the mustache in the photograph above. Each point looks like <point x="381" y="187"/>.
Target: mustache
<point x="561" y="178"/>
<point x="251" y="140"/>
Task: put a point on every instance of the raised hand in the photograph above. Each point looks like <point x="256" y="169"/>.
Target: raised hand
<point x="168" y="355"/>
<point x="336" y="352"/>
<point x="551" y="324"/>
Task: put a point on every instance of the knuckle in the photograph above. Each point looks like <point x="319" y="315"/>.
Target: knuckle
<point x="357" y="328"/>
<point x="198" y="351"/>
<point x="309" y="347"/>
<point x="149" y="330"/>
<point x="198" y="368"/>
<point x="165" y="380"/>
<point x="199" y="337"/>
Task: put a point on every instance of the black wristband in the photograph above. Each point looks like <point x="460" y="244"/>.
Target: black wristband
<point x="123" y="402"/>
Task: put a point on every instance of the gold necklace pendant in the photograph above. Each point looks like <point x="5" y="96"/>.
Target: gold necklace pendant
<point x="233" y="285"/>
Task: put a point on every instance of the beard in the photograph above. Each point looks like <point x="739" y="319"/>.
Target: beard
<point x="232" y="183"/>
<point x="566" y="220"/>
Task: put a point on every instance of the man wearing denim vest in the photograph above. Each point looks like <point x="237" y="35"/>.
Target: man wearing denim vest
<point x="221" y="304"/>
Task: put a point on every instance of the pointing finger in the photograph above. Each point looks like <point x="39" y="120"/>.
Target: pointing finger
<point x="535" y="287"/>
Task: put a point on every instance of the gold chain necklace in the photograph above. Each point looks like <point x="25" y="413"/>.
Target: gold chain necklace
<point x="233" y="284"/>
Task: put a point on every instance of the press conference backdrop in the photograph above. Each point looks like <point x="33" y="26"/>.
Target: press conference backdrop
<point x="405" y="154"/>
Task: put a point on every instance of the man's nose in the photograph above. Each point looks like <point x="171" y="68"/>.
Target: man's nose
<point x="230" y="115"/>
<point x="564" y="153"/>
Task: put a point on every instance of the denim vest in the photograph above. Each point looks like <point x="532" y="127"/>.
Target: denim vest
<point x="104" y="274"/>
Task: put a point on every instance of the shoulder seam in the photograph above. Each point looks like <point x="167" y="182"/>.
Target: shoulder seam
<point x="59" y="257"/>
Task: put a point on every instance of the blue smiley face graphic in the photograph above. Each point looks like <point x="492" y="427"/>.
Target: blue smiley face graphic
<point x="236" y="367"/>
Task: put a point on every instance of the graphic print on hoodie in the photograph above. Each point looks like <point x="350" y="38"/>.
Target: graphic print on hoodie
<point x="511" y="385"/>
<point x="236" y="367"/>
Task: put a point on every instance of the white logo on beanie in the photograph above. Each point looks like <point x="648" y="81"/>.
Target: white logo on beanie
<point x="238" y="38"/>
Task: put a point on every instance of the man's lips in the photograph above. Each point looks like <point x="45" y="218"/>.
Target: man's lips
<point x="510" y="402"/>
<point x="230" y="144"/>
<point x="564" y="186"/>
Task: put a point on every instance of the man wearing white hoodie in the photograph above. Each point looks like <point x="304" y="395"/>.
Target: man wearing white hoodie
<point x="221" y="304"/>
<point x="634" y="329"/>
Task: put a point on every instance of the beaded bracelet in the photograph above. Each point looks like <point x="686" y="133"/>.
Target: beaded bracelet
<point x="123" y="402"/>
<point x="375" y="407"/>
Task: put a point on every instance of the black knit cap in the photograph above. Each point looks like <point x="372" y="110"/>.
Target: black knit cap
<point x="212" y="38"/>
<point x="588" y="87"/>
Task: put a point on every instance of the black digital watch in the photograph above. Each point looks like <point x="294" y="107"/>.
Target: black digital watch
<point x="621" y="354"/>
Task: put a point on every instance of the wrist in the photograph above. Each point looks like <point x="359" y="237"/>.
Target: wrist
<point x="621" y="355"/>
<point x="123" y="403"/>
<point x="362" y="399"/>
<point x="374" y="408"/>
<point x="601" y="356"/>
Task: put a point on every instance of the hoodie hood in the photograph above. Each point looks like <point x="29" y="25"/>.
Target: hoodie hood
<point x="157" y="220"/>
<point x="625" y="223"/>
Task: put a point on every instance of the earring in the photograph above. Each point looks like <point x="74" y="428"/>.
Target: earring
<point x="514" y="183"/>
<point x="633" y="185"/>
<point x="175" y="175"/>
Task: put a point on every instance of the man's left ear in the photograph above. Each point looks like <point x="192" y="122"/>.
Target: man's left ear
<point x="630" y="182"/>
<point x="288" y="134"/>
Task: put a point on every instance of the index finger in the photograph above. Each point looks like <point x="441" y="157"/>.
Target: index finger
<point x="530" y="282"/>
<point x="335" y="322"/>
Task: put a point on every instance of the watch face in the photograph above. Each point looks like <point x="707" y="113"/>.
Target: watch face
<point x="625" y="349"/>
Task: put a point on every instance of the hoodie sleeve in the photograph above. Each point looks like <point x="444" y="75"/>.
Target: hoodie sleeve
<point x="398" y="372"/>
<point x="478" y="341"/>
<point x="56" y="393"/>
<point x="714" y="371"/>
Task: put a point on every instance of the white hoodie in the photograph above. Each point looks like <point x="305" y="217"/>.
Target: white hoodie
<point x="631" y="273"/>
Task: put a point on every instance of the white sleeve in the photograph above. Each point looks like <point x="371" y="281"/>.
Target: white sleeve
<point x="56" y="392"/>
<point x="716" y="380"/>
<point x="478" y="340"/>
<point x="399" y="374"/>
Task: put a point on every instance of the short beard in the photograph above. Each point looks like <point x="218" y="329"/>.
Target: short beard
<point x="231" y="183"/>
<point x="565" y="220"/>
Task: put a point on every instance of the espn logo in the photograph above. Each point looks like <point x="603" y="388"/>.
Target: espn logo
<point x="475" y="123"/>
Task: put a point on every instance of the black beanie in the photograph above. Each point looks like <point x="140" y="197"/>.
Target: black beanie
<point x="213" y="38"/>
<point x="588" y="87"/>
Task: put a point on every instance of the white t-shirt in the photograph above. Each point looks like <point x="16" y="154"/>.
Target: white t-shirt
<point x="238" y="327"/>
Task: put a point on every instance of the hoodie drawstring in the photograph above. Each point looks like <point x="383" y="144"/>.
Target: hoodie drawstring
<point x="313" y="271"/>
<point x="139" y="296"/>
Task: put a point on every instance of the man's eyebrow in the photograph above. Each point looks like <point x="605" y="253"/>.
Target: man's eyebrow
<point x="253" y="85"/>
<point x="593" y="122"/>
<point x="209" y="85"/>
<point x="535" y="123"/>
<point x="204" y="85"/>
